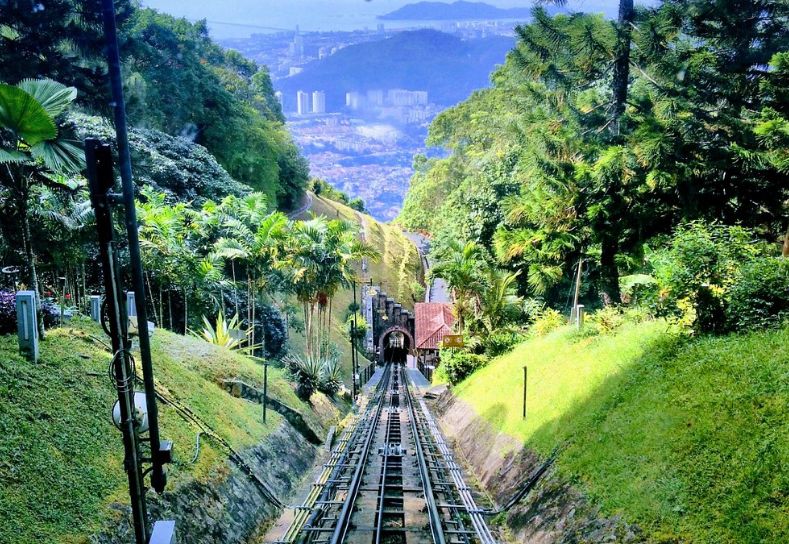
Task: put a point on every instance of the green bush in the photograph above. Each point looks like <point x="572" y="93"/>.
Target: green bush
<point x="760" y="298"/>
<point x="548" y="320"/>
<point x="696" y="273"/>
<point x="458" y="364"/>
<point x="502" y="342"/>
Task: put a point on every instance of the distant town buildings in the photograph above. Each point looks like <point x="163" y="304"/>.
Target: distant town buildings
<point x="375" y="98"/>
<point x="302" y="103"/>
<point x="399" y="105"/>
<point x="401" y="97"/>
<point x="295" y="70"/>
<point x="318" y="102"/>
<point x="314" y="102"/>
<point x="353" y="100"/>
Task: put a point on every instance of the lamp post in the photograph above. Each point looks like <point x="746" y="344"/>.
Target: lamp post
<point x="353" y="342"/>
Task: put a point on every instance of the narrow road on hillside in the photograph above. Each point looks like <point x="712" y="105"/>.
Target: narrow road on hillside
<point x="306" y="202"/>
<point x="438" y="290"/>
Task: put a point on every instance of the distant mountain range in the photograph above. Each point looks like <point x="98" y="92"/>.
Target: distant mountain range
<point x="445" y="66"/>
<point x="437" y="11"/>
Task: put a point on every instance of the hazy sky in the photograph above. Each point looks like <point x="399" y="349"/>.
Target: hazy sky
<point x="312" y="14"/>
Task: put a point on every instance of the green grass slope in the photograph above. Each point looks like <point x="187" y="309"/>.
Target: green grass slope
<point x="687" y="438"/>
<point x="61" y="458"/>
<point x="396" y="271"/>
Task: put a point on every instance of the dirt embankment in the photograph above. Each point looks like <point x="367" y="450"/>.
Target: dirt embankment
<point x="553" y="511"/>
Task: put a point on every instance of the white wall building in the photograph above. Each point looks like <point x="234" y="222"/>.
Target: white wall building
<point x="318" y="102"/>
<point x="302" y="103"/>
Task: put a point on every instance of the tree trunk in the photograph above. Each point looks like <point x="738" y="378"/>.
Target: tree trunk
<point x="186" y="312"/>
<point x="785" y="251"/>
<point x="29" y="255"/>
<point x="609" y="273"/>
<point x="235" y="285"/>
<point x="622" y="62"/>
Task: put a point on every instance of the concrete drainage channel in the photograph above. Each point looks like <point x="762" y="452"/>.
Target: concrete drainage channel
<point x="391" y="479"/>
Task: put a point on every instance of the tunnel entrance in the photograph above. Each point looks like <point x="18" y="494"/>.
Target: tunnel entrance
<point x="396" y="344"/>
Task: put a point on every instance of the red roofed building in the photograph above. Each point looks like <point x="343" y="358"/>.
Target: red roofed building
<point x="433" y="321"/>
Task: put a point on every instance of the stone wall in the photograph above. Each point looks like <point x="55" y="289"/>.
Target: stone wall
<point x="553" y="511"/>
<point x="230" y="508"/>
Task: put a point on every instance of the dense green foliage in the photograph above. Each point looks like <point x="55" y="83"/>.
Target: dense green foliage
<point x="543" y="171"/>
<point x="702" y="266"/>
<point x="176" y="81"/>
<point x="687" y="438"/>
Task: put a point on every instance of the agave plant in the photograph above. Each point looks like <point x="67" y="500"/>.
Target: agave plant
<point x="306" y="371"/>
<point x="330" y="377"/>
<point x="226" y="333"/>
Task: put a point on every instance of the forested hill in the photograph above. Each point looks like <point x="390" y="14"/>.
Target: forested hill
<point x="437" y="11"/>
<point x="176" y="81"/>
<point x="445" y="66"/>
<point x="550" y="166"/>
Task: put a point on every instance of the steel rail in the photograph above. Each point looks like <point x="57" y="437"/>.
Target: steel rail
<point x="344" y="518"/>
<point x="307" y="513"/>
<point x="434" y="517"/>
<point x="384" y="466"/>
<point x="474" y="512"/>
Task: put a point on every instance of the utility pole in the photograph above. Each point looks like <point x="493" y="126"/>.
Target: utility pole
<point x="353" y="340"/>
<point x="158" y="474"/>
<point x="101" y="179"/>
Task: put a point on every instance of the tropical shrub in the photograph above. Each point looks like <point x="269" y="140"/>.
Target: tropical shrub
<point x="312" y="374"/>
<point x="548" y="320"/>
<point x="760" y="297"/>
<point x="330" y="377"/>
<point x="457" y="364"/>
<point x="226" y="333"/>
<point x="306" y="372"/>
<point x="502" y="342"/>
<point x="698" y="270"/>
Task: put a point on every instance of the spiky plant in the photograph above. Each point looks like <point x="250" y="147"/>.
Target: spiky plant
<point x="226" y="333"/>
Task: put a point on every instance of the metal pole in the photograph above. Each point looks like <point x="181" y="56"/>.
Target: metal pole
<point x="158" y="476"/>
<point x="265" y="389"/>
<point x="354" y="357"/>
<point x="100" y="177"/>
<point x="525" y="375"/>
<point x="577" y="286"/>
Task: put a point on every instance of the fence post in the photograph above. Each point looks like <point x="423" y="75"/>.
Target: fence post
<point x="27" y="324"/>
<point x="131" y="304"/>
<point x="525" y="376"/>
<point x="579" y="316"/>
<point x="265" y="389"/>
<point x="95" y="308"/>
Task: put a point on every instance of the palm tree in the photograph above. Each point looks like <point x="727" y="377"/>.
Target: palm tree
<point x="461" y="267"/>
<point x="498" y="300"/>
<point x="319" y="258"/>
<point x="33" y="148"/>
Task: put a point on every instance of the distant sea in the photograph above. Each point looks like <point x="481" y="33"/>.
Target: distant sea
<point x="241" y="18"/>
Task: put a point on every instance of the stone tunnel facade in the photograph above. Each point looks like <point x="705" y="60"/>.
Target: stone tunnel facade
<point x="384" y="315"/>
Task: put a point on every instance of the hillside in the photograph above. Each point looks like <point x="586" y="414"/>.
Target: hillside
<point x="448" y="68"/>
<point x="437" y="11"/>
<point x="686" y="439"/>
<point x="398" y="269"/>
<point x="62" y="458"/>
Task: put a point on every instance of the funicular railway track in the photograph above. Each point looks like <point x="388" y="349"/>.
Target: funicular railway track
<point x="391" y="479"/>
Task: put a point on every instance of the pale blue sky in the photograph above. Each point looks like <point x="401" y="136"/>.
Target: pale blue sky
<point x="313" y="14"/>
